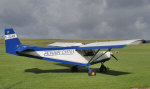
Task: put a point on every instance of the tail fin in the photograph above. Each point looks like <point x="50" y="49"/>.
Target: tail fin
<point x="11" y="41"/>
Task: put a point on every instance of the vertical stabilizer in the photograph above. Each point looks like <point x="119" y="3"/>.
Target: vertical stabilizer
<point x="11" y="41"/>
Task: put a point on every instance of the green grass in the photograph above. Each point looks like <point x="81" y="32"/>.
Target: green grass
<point x="132" y="70"/>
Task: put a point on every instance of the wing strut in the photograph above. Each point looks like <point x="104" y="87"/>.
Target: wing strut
<point x="99" y="56"/>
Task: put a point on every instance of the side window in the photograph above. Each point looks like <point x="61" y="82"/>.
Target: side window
<point x="87" y="52"/>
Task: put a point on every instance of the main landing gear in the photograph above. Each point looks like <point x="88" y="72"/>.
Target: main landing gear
<point x="74" y="69"/>
<point x="92" y="72"/>
<point x="102" y="69"/>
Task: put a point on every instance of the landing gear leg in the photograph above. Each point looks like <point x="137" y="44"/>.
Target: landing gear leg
<point x="74" y="69"/>
<point x="91" y="72"/>
<point x="103" y="68"/>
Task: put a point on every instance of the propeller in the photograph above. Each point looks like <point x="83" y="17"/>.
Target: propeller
<point x="114" y="57"/>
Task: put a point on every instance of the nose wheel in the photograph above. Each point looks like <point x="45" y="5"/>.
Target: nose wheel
<point x="103" y="68"/>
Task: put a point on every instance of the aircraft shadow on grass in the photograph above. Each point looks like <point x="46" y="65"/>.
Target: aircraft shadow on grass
<point x="81" y="70"/>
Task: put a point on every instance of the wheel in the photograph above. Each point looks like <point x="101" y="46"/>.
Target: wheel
<point x="92" y="72"/>
<point x="74" y="69"/>
<point x="103" y="68"/>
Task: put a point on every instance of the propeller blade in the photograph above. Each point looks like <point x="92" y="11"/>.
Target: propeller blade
<point x="114" y="57"/>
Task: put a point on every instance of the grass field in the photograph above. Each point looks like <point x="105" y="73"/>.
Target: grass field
<point x="131" y="71"/>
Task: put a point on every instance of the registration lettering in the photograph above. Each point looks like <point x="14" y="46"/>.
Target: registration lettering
<point x="58" y="52"/>
<point x="10" y="36"/>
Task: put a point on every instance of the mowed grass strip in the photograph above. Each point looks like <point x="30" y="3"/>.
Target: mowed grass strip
<point x="131" y="71"/>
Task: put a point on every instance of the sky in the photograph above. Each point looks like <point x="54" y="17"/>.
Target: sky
<point x="76" y="19"/>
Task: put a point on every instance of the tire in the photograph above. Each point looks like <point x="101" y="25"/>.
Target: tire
<point x="74" y="69"/>
<point x="92" y="72"/>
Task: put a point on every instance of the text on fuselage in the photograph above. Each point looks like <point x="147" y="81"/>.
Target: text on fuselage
<point x="59" y="52"/>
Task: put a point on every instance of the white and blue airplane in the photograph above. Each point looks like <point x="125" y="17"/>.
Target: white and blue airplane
<point x="77" y="54"/>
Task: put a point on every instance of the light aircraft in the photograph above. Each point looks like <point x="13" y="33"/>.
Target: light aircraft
<point x="77" y="54"/>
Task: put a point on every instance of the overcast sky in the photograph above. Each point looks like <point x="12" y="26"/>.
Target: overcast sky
<point x="77" y="19"/>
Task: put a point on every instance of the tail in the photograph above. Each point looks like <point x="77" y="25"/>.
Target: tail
<point x="11" y="41"/>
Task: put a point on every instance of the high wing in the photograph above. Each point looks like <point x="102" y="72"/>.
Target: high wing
<point x="98" y="45"/>
<point x="111" y="44"/>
